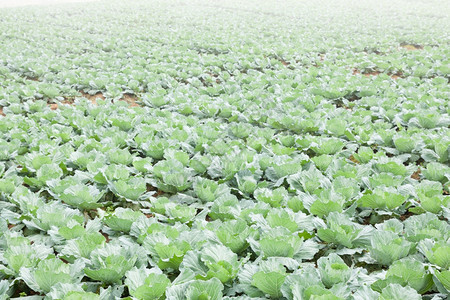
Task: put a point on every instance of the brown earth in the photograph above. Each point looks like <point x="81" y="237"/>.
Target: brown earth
<point x="416" y="174"/>
<point x="128" y="98"/>
<point x="411" y="47"/>
<point x="375" y="73"/>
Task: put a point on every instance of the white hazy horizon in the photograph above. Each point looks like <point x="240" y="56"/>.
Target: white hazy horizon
<point x="14" y="3"/>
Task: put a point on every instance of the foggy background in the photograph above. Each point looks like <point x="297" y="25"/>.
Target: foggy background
<point x="12" y="3"/>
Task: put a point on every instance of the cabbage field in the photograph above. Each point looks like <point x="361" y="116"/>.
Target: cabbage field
<point x="194" y="149"/>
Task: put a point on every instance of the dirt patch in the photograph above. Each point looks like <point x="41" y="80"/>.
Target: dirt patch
<point x="1" y="112"/>
<point x="32" y="78"/>
<point x="376" y="73"/>
<point x="373" y="51"/>
<point x="54" y="106"/>
<point x="93" y="98"/>
<point x="130" y="99"/>
<point x="215" y="76"/>
<point x="106" y="236"/>
<point x="367" y="74"/>
<point x="157" y="191"/>
<point x="284" y="63"/>
<point x="18" y="3"/>
<point x="411" y="47"/>
<point x="353" y="96"/>
<point x="406" y="216"/>
<point x="416" y="174"/>
<point x="340" y="104"/>
<point x="353" y="159"/>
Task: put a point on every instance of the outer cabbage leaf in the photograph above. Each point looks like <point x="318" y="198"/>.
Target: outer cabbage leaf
<point x="109" y="264"/>
<point x="45" y="173"/>
<point x="343" y="232"/>
<point x="269" y="282"/>
<point x="146" y="284"/>
<point x="21" y="253"/>
<point x="274" y="197"/>
<point x="333" y="270"/>
<point x="437" y="172"/>
<point x="437" y="253"/>
<point x="213" y="261"/>
<point x="382" y="199"/>
<point x="130" y="189"/>
<point x="196" y="289"/>
<point x="387" y="247"/>
<point x="82" y="196"/>
<point x="424" y="226"/>
<point x="51" y="271"/>
<point x="444" y="280"/>
<point x="122" y="219"/>
<point x="407" y="271"/>
<point x="232" y="234"/>
<point x="395" y="291"/>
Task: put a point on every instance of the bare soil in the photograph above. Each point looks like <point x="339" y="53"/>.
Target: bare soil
<point x="128" y="98"/>
<point x="411" y="47"/>
<point x="376" y="73"/>
<point x="93" y="98"/>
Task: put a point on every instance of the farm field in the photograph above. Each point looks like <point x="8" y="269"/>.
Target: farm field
<point x="225" y="150"/>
